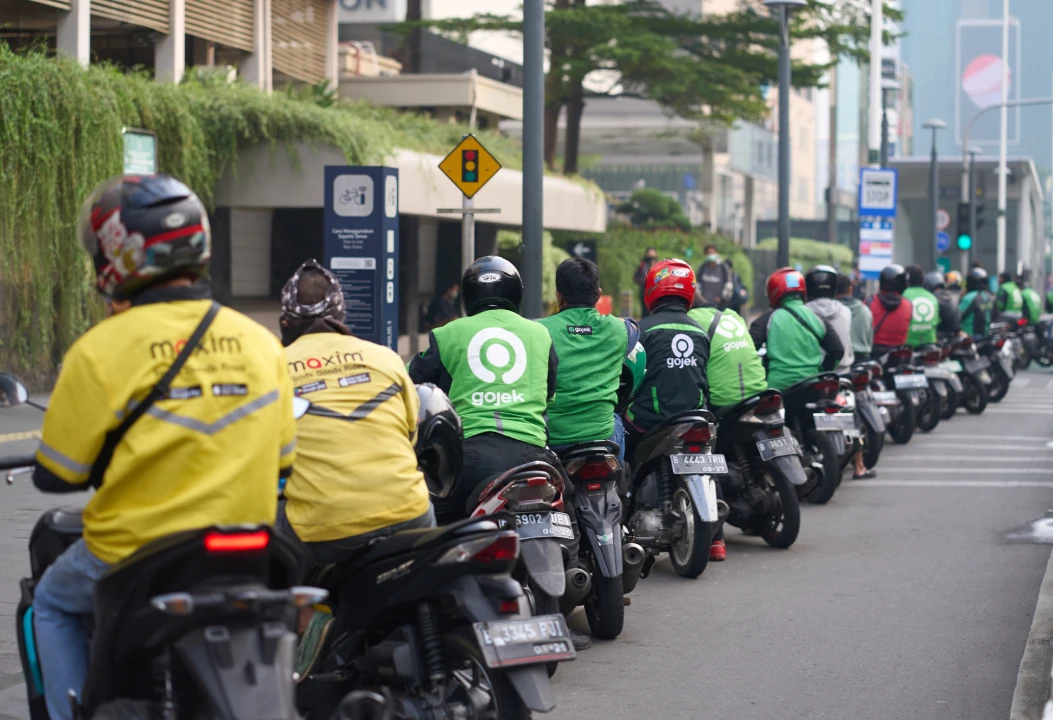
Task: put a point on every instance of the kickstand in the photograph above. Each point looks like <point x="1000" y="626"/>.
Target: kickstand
<point x="647" y="565"/>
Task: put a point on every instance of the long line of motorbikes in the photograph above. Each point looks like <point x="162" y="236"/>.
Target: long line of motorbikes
<point x="467" y="620"/>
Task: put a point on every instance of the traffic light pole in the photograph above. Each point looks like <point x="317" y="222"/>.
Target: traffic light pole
<point x="467" y="233"/>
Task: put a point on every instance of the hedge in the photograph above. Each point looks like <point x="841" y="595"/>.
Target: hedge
<point x="60" y="135"/>
<point x="809" y="253"/>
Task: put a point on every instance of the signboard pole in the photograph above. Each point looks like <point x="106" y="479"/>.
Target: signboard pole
<point x="467" y="233"/>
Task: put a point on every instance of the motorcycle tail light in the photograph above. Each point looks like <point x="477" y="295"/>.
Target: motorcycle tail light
<point x="901" y="355"/>
<point x="1021" y="322"/>
<point x="861" y="381"/>
<point x="594" y="470"/>
<point x="217" y="542"/>
<point x="593" y="487"/>
<point x="769" y="405"/>
<point x="932" y="357"/>
<point x="824" y="387"/>
<point x="999" y="343"/>
<point x="533" y="490"/>
<point x="503" y="549"/>
<point x="700" y="434"/>
<point x="832" y="409"/>
<point x="509" y="607"/>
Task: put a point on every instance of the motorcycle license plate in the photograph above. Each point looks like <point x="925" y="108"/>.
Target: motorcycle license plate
<point x="886" y="397"/>
<point x="951" y="366"/>
<point x="699" y="464"/>
<point x="541" y="639"/>
<point x="853" y="434"/>
<point x="835" y="422"/>
<point x="984" y="377"/>
<point x="977" y="364"/>
<point x="776" y="447"/>
<point x="911" y="382"/>
<point x="544" y="525"/>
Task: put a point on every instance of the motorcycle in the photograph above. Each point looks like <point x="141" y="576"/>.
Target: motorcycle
<point x="764" y="469"/>
<point x="672" y="503"/>
<point x="911" y="388"/>
<point x="994" y="349"/>
<point x="973" y="372"/>
<point x="945" y="388"/>
<point x="817" y="423"/>
<point x="175" y="624"/>
<point x="613" y="565"/>
<point x="1043" y="351"/>
<point x="1022" y="340"/>
<point x="871" y="416"/>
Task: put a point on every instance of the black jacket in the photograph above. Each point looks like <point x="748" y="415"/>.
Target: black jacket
<point x="677" y="353"/>
<point x="950" y="321"/>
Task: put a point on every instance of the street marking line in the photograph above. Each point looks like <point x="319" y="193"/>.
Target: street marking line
<point x="1045" y="413"/>
<point x="956" y="436"/>
<point x="1021" y="382"/>
<point x="962" y="446"/>
<point x="951" y="483"/>
<point x="973" y="471"/>
<point x="1049" y="385"/>
<point x="966" y="458"/>
<point x="16" y="436"/>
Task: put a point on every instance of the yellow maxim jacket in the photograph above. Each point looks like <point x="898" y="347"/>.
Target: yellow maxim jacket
<point x="359" y="473"/>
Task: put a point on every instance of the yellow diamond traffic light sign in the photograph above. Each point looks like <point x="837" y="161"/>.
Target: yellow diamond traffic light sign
<point x="470" y="166"/>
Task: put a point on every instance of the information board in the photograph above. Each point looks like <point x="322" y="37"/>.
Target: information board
<point x="362" y="247"/>
<point x="875" y="246"/>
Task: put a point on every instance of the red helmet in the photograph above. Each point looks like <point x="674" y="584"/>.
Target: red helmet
<point x="783" y="283"/>
<point x="669" y="278"/>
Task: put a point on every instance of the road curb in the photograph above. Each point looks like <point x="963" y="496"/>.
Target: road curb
<point x="1033" y="679"/>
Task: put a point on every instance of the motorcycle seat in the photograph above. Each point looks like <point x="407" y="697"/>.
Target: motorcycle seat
<point x="591" y="447"/>
<point x="652" y="439"/>
<point x="808" y="382"/>
<point x="740" y="408"/>
<point x="65" y="521"/>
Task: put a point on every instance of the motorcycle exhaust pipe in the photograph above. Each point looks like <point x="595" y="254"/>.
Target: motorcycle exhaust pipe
<point x="364" y="705"/>
<point x="578" y="585"/>
<point x="633" y="557"/>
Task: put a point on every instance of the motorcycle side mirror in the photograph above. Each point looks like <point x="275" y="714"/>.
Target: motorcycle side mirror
<point x="300" y="407"/>
<point x="12" y="391"/>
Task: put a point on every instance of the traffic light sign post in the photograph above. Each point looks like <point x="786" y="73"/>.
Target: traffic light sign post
<point x="469" y="166"/>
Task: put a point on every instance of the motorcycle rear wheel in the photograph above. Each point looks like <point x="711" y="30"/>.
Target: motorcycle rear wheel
<point x="467" y="669"/>
<point x="875" y="441"/>
<point x="949" y="405"/>
<point x="1044" y="357"/>
<point x="929" y="412"/>
<point x="999" y="384"/>
<point x="901" y="429"/>
<point x="605" y="608"/>
<point x="822" y="448"/>
<point x="781" y="528"/>
<point x="974" y="395"/>
<point x="690" y="555"/>
<point x="541" y="603"/>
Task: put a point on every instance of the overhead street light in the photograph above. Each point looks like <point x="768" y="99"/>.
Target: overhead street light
<point x="784" y="8"/>
<point x="934" y="190"/>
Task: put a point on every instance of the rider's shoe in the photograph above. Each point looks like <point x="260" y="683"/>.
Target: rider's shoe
<point x="581" y="642"/>
<point x="718" y="552"/>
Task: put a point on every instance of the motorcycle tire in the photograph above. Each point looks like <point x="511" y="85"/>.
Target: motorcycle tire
<point x="123" y="709"/>
<point x="999" y="383"/>
<point x="949" y="405"/>
<point x="1044" y="358"/>
<point x="974" y="395"/>
<point x="875" y="441"/>
<point x="901" y="429"/>
<point x="463" y="654"/>
<point x="822" y="446"/>
<point x="690" y="556"/>
<point x="929" y="412"/>
<point x="781" y="528"/>
<point x="1023" y="360"/>
<point x="541" y="603"/>
<point x="605" y="607"/>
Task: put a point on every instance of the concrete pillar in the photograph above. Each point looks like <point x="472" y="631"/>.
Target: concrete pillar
<point x="749" y="231"/>
<point x="1025" y="225"/>
<point x="332" y="46"/>
<point x="74" y="32"/>
<point x="170" y="52"/>
<point x="257" y="68"/>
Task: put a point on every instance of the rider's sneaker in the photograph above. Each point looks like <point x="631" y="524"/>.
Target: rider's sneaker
<point x="581" y="642"/>
<point x="718" y="552"/>
<point x="310" y="645"/>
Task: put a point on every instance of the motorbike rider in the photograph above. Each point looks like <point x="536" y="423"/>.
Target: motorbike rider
<point x="602" y="362"/>
<point x="799" y="343"/>
<point x="1032" y="300"/>
<point x="356" y="478"/>
<point x="208" y="451"/>
<point x="950" y="323"/>
<point x="977" y="303"/>
<point x="821" y="288"/>
<point x="892" y="312"/>
<point x="1009" y="297"/>
<point x="862" y="341"/>
<point x="952" y="281"/>
<point x="925" y="309"/>
<point x="677" y="356"/>
<point x="734" y="371"/>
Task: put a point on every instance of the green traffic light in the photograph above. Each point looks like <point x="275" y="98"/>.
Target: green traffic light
<point x="964" y="242"/>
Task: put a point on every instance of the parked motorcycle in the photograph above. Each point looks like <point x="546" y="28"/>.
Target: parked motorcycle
<point x="911" y="387"/>
<point x="944" y="392"/>
<point x="973" y="372"/>
<point x="871" y="416"/>
<point x="764" y="469"/>
<point x="1043" y="352"/>
<point x="672" y="501"/>
<point x="614" y="566"/>
<point x="994" y="348"/>
<point x="815" y="418"/>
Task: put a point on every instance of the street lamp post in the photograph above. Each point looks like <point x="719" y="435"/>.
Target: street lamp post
<point x="934" y="189"/>
<point x="533" y="154"/>
<point x="784" y="7"/>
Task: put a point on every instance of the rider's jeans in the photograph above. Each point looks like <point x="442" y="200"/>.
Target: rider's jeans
<point x="64" y="596"/>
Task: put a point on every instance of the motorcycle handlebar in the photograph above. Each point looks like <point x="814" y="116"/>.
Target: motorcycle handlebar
<point x="12" y="462"/>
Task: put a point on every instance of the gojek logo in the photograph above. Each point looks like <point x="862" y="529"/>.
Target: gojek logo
<point x="505" y="354"/>
<point x="924" y="310"/>
<point x="683" y="348"/>
<point x="732" y="327"/>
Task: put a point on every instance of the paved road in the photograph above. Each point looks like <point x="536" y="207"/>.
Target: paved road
<point x="901" y="599"/>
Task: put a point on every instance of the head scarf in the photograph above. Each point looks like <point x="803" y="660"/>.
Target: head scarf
<point x="331" y="306"/>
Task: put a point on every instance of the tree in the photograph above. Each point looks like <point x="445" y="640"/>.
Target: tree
<point x="712" y="69"/>
<point x="651" y="208"/>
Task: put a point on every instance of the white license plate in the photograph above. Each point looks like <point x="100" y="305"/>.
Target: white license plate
<point x="951" y="366"/>
<point x="546" y="524"/>
<point x="541" y="639"/>
<point x="975" y="365"/>
<point x="885" y="397"/>
<point x="776" y="447"/>
<point x="853" y="434"/>
<point x="702" y="464"/>
<point x="911" y="382"/>
<point x="837" y="422"/>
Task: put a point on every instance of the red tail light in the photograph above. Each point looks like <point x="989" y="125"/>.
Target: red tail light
<point x="999" y="343"/>
<point x="827" y="386"/>
<point x="503" y="549"/>
<point x="932" y="357"/>
<point x="533" y="490"/>
<point x="769" y="405"/>
<point x="509" y="606"/>
<point x="698" y="434"/>
<point x="593" y="487"/>
<point x="966" y="343"/>
<point x="902" y="355"/>
<point x="1021" y="322"/>
<point x="591" y="471"/>
<point x="945" y="352"/>
<point x="237" y="542"/>
<point x="830" y="410"/>
<point x="861" y="381"/>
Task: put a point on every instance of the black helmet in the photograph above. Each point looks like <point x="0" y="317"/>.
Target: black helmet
<point x="140" y="229"/>
<point x="489" y="283"/>
<point x="976" y="280"/>
<point x="934" y="280"/>
<point x="821" y="282"/>
<point x="440" y="443"/>
<point x="893" y="279"/>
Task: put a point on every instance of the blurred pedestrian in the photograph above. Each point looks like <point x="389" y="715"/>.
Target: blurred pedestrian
<point x="444" y="308"/>
<point x="740" y="294"/>
<point x="858" y="282"/>
<point x="640" y="277"/>
<point x="715" y="283"/>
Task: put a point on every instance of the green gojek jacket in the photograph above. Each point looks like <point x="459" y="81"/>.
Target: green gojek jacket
<point x="499" y="370"/>
<point x="925" y="318"/>
<point x="1032" y="304"/>
<point x="975" y="308"/>
<point x="1009" y="298"/>
<point x="734" y="370"/>
<point x="595" y="352"/>
<point x="799" y="344"/>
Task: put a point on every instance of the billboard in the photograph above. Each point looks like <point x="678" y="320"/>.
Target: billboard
<point x="978" y="79"/>
<point x="372" y="11"/>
